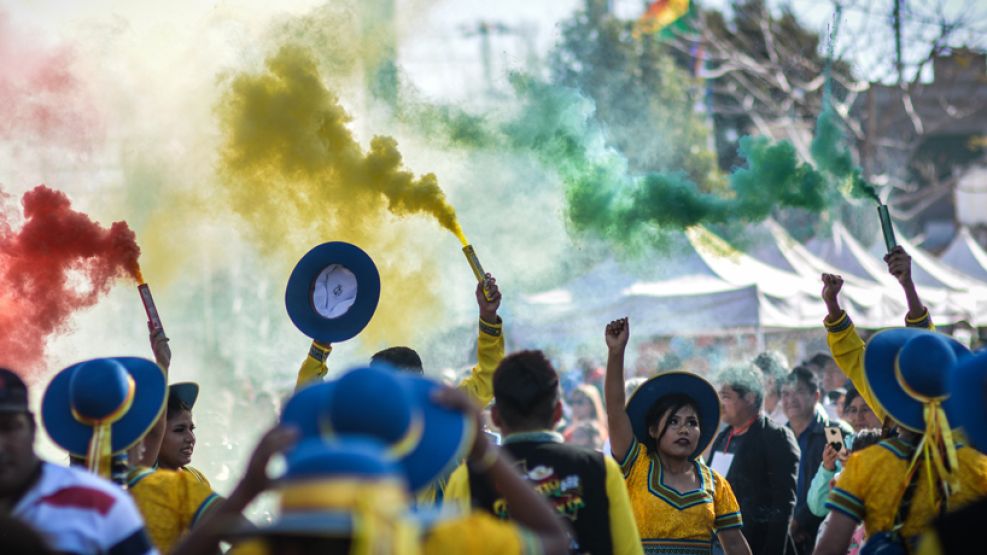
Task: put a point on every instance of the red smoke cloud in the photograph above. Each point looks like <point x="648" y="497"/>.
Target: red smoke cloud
<point x="41" y="95"/>
<point x="58" y="262"/>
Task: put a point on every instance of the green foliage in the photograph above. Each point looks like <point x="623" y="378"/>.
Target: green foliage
<point x="644" y="102"/>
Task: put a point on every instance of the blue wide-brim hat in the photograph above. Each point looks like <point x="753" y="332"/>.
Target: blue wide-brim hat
<point x="186" y="392"/>
<point x="671" y="383"/>
<point x="360" y="462"/>
<point x="93" y="388"/>
<point x="391" y="406"/>
<point x="907" y="367"/>
<point x="344" y="281"/>
<point x="968" y="395"/>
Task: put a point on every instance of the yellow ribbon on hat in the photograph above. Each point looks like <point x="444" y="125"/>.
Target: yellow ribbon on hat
<point x="99" y="455"/>
<point x="937" y="449"/>
<point x="378" y="508"/>
<point x="408" y="442"/>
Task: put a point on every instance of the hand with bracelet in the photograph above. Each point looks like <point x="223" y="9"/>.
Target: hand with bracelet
<point x="526" y="506"/>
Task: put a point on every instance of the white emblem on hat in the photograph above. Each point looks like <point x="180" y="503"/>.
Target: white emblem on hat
<point x="334" y="291"/>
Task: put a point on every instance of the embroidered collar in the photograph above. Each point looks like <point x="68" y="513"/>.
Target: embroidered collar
<point x="675" y="498"/>
<point x="541" y="436"/>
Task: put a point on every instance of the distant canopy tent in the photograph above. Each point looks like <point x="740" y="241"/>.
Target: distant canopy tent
<point x="965" y="255"/>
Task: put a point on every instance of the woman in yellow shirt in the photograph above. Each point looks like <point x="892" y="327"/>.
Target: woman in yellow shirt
<point x="679" y="503"/>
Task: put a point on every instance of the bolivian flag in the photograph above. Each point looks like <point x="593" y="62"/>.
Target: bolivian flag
<point x="659" y="15"/>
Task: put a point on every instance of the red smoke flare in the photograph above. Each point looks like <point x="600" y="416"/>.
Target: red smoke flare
<point x="58" y="262"/>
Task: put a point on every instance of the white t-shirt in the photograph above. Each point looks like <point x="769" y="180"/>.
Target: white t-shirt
<point x="79" y="512"/>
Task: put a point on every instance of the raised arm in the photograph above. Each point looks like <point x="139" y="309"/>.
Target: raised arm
<point x="900" y="266"/>
<point x="621" y="433"/>
<point x="154" y="436"/>
<point x="489" y="344"/>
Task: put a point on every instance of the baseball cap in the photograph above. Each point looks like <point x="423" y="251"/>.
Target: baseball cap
<point x="13" y="392"/>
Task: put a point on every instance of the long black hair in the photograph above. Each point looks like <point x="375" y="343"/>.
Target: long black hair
<point x="668" y="404"/>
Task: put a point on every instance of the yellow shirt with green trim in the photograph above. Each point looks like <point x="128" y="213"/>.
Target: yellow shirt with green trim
<point x="847" y="349"/>
<point x="478" y="385"/>
<point x="673" y="521"/>
<point x="479" y="533"/>
<point x="171" y="503"/>
<point x="623" y="530"/>
<point x="871" y="486"/>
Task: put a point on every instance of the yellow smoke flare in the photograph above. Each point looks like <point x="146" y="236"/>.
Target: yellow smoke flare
<point x="295" y="172"/>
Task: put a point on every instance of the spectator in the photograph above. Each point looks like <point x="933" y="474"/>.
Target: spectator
<point x="857" y="413"/>
<point x="178" y="443"/>
<point x="800" y="397"/>
<point x="73" y="510"/>
<point x="759" y="458"/>
<point x="774" y="367"/>
<point x="586" y="407"/>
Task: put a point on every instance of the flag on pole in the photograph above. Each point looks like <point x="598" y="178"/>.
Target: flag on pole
<point x="659" y="15"/>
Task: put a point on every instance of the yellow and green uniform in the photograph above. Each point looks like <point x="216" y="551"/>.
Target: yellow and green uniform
<point x="848" y="351"/>
<point x="171" y="502"/>
<point x="871" y="486"/>
<point x="670" y="521"/>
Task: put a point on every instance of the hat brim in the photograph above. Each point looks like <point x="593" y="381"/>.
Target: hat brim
<point x="186" y="392"/>
<point x="321" y="524"/>
<point x="880" y="357"/>
<point x="73" y="436"/>
<point x="670" y="383"/>
<point x="446" y="436"/>
<point x="298" y="294"/>
<point x="968" y="395"/>
<point x="306" y="409"/>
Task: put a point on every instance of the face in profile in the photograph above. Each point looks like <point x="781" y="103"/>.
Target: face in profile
<point x="179" y="441"/>
<point x="17" y="460"/>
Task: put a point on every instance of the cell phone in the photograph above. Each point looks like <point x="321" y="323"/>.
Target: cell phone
<point x="834" y="437"/>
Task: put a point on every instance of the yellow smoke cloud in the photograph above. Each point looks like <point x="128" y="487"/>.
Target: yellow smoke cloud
<point x="295" y="173"/>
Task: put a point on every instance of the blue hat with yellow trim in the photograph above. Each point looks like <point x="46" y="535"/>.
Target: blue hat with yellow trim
<point x="333" y="292"/>
<point x="127" y="394"/>
<point x="672" y="383"/>
<point x="304" y="409"/>
<point x="339" y="489"/>
<point x="397" y="408"/>
<point x="909" y="367"/>
<point x="968" y="395"/>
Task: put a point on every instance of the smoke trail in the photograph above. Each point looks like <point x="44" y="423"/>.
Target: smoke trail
<point x="58" y="262"/>
<point x="41" y="98"/>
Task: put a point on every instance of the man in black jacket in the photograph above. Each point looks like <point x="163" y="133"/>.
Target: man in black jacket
<point x="760" y="460"/>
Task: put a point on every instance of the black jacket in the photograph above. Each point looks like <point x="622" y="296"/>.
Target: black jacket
<point x="763" y="475"/>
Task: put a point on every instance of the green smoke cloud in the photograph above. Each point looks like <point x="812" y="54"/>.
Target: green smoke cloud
<point x="831" y="156"/>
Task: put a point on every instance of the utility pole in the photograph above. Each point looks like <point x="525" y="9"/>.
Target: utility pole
<point x="484" y="29"/>
<point x="896" y="21"/>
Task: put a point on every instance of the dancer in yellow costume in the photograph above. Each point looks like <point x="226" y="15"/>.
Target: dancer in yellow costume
<point x="679" y="503"/>
<point x="897" y="487"/>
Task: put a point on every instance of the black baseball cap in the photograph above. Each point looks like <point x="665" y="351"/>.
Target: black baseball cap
<point x="13" y="392"/>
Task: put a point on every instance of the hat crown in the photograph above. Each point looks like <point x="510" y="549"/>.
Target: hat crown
<point x="924" y="363"/>
<point x="373" y="402"/>
<point x="98" y="388"/>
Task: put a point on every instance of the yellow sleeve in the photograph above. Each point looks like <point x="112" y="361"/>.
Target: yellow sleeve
<point x="458" y="489"/>
<point x="623" y="529"/>
<point x="849" y="493"/>
<point x="848" y="351"/>
<point x="725" y="505"/>
<point x="314" y="366"/>
<point x="198" y="498"/>
<point x="480" y="533"/>
<point x="489" y="352"/>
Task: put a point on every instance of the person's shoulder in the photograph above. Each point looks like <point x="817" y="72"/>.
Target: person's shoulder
<point x="69" y="487"/>
<point x="772" y="430"/>
<point x="62" y="477"/>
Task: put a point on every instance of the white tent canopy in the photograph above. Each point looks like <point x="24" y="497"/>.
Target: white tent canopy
<point x="965" y="255"/>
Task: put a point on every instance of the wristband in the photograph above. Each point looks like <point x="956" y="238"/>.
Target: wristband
<point x="319" y="352"/>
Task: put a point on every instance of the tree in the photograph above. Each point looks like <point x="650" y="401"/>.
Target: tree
<point x="643" y="99"/>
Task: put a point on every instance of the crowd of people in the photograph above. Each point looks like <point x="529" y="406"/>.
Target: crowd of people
<point x="874" y="447"/>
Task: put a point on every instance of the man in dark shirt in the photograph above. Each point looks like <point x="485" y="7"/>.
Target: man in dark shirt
<point x="759" y="458"/>
<point x="800" y="394"/>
